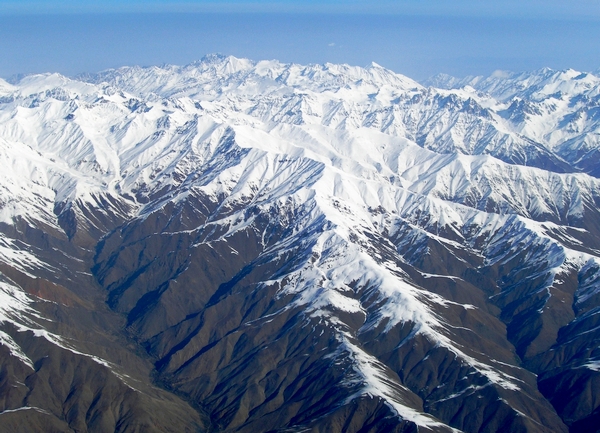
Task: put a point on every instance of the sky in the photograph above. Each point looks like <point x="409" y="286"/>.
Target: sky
<point x="418" y="38"/>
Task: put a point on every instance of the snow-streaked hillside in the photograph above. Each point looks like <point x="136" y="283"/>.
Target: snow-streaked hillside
<point x="304" y="247"/>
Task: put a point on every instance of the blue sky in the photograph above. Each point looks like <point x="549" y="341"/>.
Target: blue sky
<point x="415" y="37"/>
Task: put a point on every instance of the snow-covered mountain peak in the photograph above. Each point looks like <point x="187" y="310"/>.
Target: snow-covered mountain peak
<point x="215" y="75"/>
<point x="332" y="106"/>
<point x="218" y="64"/>
<point x="6" y="88"/>
<point x="536" y="85"/>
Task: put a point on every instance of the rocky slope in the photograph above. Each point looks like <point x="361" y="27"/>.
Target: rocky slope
<point x="256" y="246"/>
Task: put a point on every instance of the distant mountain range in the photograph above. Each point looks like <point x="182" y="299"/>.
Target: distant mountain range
<point x="240" y="246"/>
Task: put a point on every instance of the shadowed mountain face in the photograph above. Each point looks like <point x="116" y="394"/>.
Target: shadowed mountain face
<point x="253" y="247"/>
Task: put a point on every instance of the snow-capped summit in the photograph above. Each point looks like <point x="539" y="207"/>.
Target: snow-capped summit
<point x="216" y="74"/>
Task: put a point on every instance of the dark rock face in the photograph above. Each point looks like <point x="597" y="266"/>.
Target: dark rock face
<point x="80" y="373"/>
<point x="221" y="337"/>
<point x="195" y="257"/>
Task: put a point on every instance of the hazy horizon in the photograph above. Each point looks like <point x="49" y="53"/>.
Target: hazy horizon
<point x="412" y="39"/>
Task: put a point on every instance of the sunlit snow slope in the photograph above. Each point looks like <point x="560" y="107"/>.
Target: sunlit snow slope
<point x="288" y="248"/>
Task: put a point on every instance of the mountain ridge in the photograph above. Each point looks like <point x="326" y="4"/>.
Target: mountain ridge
<point x="317" y="247"/>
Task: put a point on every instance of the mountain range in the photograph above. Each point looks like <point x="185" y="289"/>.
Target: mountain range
<point x="241" y="246"/>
